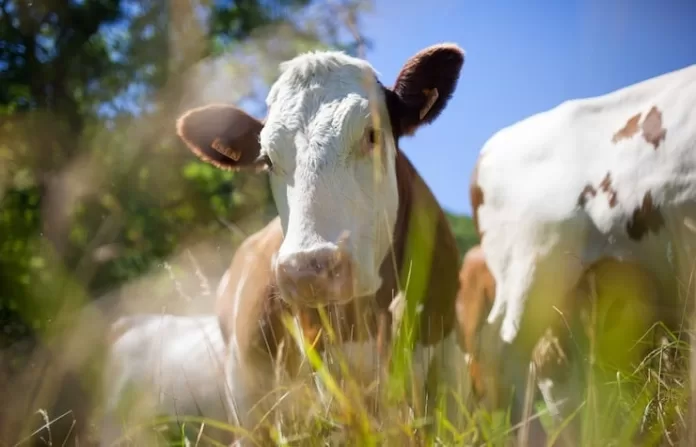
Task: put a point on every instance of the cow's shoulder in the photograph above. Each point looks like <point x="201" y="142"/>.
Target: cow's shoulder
<point x="420" y="214"/>
<point x="264" y="242"/>
<point x="530" y="170"/>
<point x="250" y="268"/>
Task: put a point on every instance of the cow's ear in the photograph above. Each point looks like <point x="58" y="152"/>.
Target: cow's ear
<point x="221" y="135"/>
<point x="424" y="85"/>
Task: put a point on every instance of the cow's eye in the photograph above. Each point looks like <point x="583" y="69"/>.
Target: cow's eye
<point x="370" y="139"/>
<point x="264" y="162"/>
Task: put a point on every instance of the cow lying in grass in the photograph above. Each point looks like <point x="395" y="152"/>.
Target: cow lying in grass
<point x="163" y="366"/>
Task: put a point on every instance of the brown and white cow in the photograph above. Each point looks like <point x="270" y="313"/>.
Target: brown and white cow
<point x="612" y="176"/>
<point x="356" y="221"/>
<point x="625" y="296"/>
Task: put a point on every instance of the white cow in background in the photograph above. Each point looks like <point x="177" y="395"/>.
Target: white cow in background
<point x="612" y="177"/>
<point x="171" y="364"/>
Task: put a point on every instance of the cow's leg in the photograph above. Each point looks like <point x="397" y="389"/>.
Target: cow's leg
<point x="560" y="378"/>
<point x="609" y="312"/>
<point x="559" y="358"/>
<point x="449" y="381"/>
<point x="257" y="381"/>
<point x="531" y="286"/>
<point x="511" y="360"/>
<point x="684" y="260"/>
<point x="247" y="379"/>
<point x="439" y="370"/>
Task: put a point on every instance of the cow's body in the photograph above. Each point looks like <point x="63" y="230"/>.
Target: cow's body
<point x="351" y="208"/>
<point x="171" y="364"/>
<point x="606" y="177"/>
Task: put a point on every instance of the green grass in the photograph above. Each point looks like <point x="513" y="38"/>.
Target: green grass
<point x="645" y="404"/>
<point x="649" y="400"/>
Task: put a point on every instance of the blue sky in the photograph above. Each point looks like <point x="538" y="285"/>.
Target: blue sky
<point x="522" y="59"/>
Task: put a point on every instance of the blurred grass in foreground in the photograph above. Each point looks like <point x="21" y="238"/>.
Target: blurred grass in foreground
<point x="644" y="405"/>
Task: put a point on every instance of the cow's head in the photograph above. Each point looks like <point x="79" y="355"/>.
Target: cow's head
<point x="329" y="143"/>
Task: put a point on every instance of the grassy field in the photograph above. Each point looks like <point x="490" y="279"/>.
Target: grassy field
<point x="644" y="404"/>
<point x="647" y="406"/>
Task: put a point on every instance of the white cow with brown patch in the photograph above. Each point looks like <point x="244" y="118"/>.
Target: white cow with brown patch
<point x="612" y="176"/>
<point x="350" y="207"/>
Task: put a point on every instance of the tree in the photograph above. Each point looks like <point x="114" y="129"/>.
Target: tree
<point x="95" y="190"/>
<point x="88" y="96"/>
<point x="464" y="231"/>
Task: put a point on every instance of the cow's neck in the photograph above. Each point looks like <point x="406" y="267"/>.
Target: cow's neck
<point x="369" y="318"/>
<point x="421" y="227"/>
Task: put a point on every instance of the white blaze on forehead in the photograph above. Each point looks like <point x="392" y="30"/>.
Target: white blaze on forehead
<point x="319" y="68"/>
<point x="323" y="185"/>
<point x="318" y="106"/>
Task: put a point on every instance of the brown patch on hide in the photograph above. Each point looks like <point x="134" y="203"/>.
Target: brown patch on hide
<point x="645" y="218"/>
<point x="476" y="197"/>
<point x="653" y="132"/>
<point x="587" y="192"/>
<point x="605" y="186"/>
<point x="631" y="128"/>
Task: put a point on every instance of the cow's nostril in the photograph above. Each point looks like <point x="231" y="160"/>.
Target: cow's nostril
<point x="322" y="275"/>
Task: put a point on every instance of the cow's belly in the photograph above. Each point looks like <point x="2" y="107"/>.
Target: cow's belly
<point x="196" y="386"/>
<point x="178" y="384"/>
<point x="667" y="254"/>
<point x="536" y="265"/>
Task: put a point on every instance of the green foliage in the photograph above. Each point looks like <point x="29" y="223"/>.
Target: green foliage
<point x="234" y="21"/>
<point x="95" y="189"/>
<point x="464" y="231"/>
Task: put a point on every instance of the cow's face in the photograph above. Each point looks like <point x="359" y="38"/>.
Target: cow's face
<point x="329" y="145"/>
